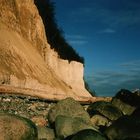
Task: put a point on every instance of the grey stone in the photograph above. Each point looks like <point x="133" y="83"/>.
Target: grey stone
<point x="68" y="107"/>
<point x="66" y="126"/>
<point x="126" y="101"/>
<point x="124" y="107"/>
<point x="105" y="109"/>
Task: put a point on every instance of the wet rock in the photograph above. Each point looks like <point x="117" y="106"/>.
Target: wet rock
<point x="137" y="92"/>
<point x="105" y="109"/>
<point x="69" y="108"/>
<point x="126" y="101"/>
<point x="13" y="127"/>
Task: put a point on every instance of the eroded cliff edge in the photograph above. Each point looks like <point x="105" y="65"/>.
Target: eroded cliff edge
<point x="26" y="59"/>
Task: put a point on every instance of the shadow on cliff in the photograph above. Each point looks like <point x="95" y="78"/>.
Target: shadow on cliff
<point x="54" y="34"/>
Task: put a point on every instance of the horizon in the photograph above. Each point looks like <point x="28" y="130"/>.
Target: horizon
<point x="106" y="34"/>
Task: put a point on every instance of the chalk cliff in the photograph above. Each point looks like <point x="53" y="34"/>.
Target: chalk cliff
<point x="27" y="60"/>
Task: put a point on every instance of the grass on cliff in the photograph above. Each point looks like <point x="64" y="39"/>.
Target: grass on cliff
<point x="54" y="34"/>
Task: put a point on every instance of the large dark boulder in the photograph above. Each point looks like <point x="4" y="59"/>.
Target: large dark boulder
<point x="69" y="108"/>
<point x="13" y="127"/>
<point x="66" y="126"/>
<point x="126" y="127"/>
<point x="136" y="113"/>
<point x="88" y="134"/>
<point x="132" y="138"/>
<point x="137" y="92"/>
<point x="105" y="109"/>
<point x="126" y="101"/>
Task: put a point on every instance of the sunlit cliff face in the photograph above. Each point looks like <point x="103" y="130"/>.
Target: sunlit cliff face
<point x="26" y="60"/>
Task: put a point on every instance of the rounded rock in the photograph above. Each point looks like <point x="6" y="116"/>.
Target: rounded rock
<point x="105" y="109"/>
<point x="13" y="127"/>
<point x="88" y="135"/>
<point x="68" y="107"/>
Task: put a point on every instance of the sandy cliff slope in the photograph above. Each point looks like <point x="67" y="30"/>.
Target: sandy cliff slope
<point x="26" y="60"/>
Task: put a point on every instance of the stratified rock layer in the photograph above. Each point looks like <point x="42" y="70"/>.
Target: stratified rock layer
<point x="26" y="60"/>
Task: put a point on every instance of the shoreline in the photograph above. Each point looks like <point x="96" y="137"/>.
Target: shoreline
<point x="6" y="89"/>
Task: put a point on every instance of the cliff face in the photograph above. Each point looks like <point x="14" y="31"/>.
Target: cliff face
<point x="26" y="60"/>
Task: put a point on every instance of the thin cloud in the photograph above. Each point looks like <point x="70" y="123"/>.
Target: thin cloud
<point x="107" y="31"/>
<point x="110" y="78"/>
<point x="109" y="82"/>
<point x="78" y="42"/>
<point x="76" y="39"/>
<point x="83" y="11"/>
<point x="115" y="16"/>
<point x="132" y="64"/>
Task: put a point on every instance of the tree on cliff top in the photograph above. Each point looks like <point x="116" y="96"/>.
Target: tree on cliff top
<point x="54" y="33"/>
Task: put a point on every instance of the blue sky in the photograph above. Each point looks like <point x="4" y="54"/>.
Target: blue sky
<point x="107" y="34"/>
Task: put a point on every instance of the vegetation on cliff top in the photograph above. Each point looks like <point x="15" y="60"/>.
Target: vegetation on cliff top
<point x="54" y="33"/>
